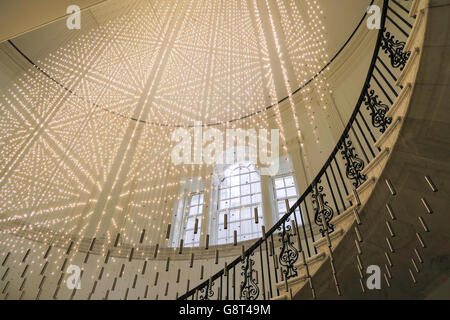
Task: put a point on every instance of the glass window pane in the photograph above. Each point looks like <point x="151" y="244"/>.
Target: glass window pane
<point x="225" y="183"/>
<point x="190" y="223"/>
<point x="235" y="192"/>
<point x="246" y="226"/>
<point x="281" y="193"/>
<point x="194" y="200"/>
<point x="246" y="213"/>
<point x="260" y="213"/>
<point x="279" y="183"/>
<point x="245" y="178"/>
<point x="245" y="190"/>
<point x="256" y="188"/>
<point x="256" y="198"/>
<point x="233" y="226"/>
<point x="233" y="216"/>
<point x="224" y="204"/>
<point x="245" y="201"/>
<point x="299" y="217"/>
<point x="235" y="202"/>
<point x="281" y="207"/>
<point x="291" y="192"/>
<point x="189" y="236"/>
<point x="289" y="181"/>
<point x="224" y="193"/>
<point x="234" y="181"/>
<point x="254" y="176"/>
<point x="221" y="233"/>
<point x="193" y="211"/>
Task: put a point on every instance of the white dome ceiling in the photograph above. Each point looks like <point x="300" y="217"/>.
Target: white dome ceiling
<point x="74" y="162"/>
<point x="173" y="63"/>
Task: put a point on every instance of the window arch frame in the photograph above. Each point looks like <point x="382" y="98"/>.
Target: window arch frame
<point x="245" y="211"/>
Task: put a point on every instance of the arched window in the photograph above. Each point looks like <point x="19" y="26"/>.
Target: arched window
<point x="239" y="193"/>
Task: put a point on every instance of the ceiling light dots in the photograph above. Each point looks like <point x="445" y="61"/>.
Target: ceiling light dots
<point x="66" y="134"/>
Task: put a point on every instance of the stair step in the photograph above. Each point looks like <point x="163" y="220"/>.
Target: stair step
<point x="401" y="100"/>
<point x="413" y="58"/>
<point x="414" y="34"/>
<point x="388" y="133"/>
<point x="368" y="170"/>
<point x="309" y="261"/>
<point x="283" y="296"/>
<point x="368" y="183"/>
<point x="292" y="281"/>
<point x="343" y="216"/>
<point x="337" y="233"/>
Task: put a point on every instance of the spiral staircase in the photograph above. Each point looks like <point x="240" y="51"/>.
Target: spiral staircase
<point x="396" y="218"/>
<point x="377" y="208"/>
<point x="402" y="224"/>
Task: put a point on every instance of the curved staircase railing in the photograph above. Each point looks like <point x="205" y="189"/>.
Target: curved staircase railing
<point x="333" y="189"/>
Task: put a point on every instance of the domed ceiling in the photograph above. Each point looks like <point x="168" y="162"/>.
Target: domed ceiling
<point x="172" y="63"/>
<point x="75" y="157"/>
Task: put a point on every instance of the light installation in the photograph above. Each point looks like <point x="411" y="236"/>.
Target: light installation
<point x="85" y="171"/>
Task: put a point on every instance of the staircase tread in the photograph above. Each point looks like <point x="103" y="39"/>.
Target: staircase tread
<point x="347" y="212"/>
<point x="313" y="259"/>
<point x="376" y="160"/>
<point x="292" y="281"/>
<point x="283" y="296"/>
<point x="322" y="241"/>
<point x="388" y="131"/>
<point x="361" y="188"/>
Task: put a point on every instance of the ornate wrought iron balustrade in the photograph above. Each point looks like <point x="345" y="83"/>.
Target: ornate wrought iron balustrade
<point x="326" y="197"/>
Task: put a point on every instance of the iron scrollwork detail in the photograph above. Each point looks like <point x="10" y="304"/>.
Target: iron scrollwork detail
<point x="323" y="213"/>
<point x="394" y="48"/>
<point x="377" y="109"/>
<point x="206" y="292"/>
<point x="289" y="253"/>
<point x="249" y="287"/>
<point x="353" y="164"/>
